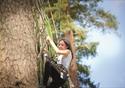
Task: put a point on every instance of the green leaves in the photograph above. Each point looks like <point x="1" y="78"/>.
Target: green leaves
<point x="87" y="49"/>
<point x="48" y="27"/>
<point x="84" y="69"/>
<point x="107" y="19"/>
<point x="49" y="31"/>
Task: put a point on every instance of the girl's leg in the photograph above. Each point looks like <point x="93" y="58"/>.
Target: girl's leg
<point x="57" y="81"/>
<point x="56" y="84"/>
<point x="47" y="73"/>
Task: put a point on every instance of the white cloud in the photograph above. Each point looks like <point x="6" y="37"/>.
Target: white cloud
<point x="109" y="44"/>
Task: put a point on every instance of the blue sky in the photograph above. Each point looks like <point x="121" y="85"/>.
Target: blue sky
<point x="108" y="67"/>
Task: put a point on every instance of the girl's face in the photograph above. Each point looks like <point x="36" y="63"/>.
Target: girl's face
<point x="62" y="45"/>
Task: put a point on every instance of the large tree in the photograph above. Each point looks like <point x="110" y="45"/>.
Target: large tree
<point x="18" y="56"/>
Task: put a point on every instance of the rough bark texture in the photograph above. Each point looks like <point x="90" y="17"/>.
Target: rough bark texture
<point x="18" y="67"/>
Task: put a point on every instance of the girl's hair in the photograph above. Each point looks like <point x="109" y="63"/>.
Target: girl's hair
<point x="67" y="44"/>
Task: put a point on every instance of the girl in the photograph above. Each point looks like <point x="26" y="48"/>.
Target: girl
<point x="64" y="57"/>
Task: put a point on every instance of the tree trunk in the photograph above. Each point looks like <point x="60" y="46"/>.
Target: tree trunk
<point x="18" y="63"/>
<point x="73" y="67"/>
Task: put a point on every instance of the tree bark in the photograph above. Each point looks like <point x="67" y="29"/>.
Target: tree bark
<point x="18" y="63"/>
<point x="73" y="67"/>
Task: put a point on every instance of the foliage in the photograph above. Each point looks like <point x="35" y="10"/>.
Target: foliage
<point x="83" y="68"/>
<point x="85" y="49"/>
<point x="88" y="14"/>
